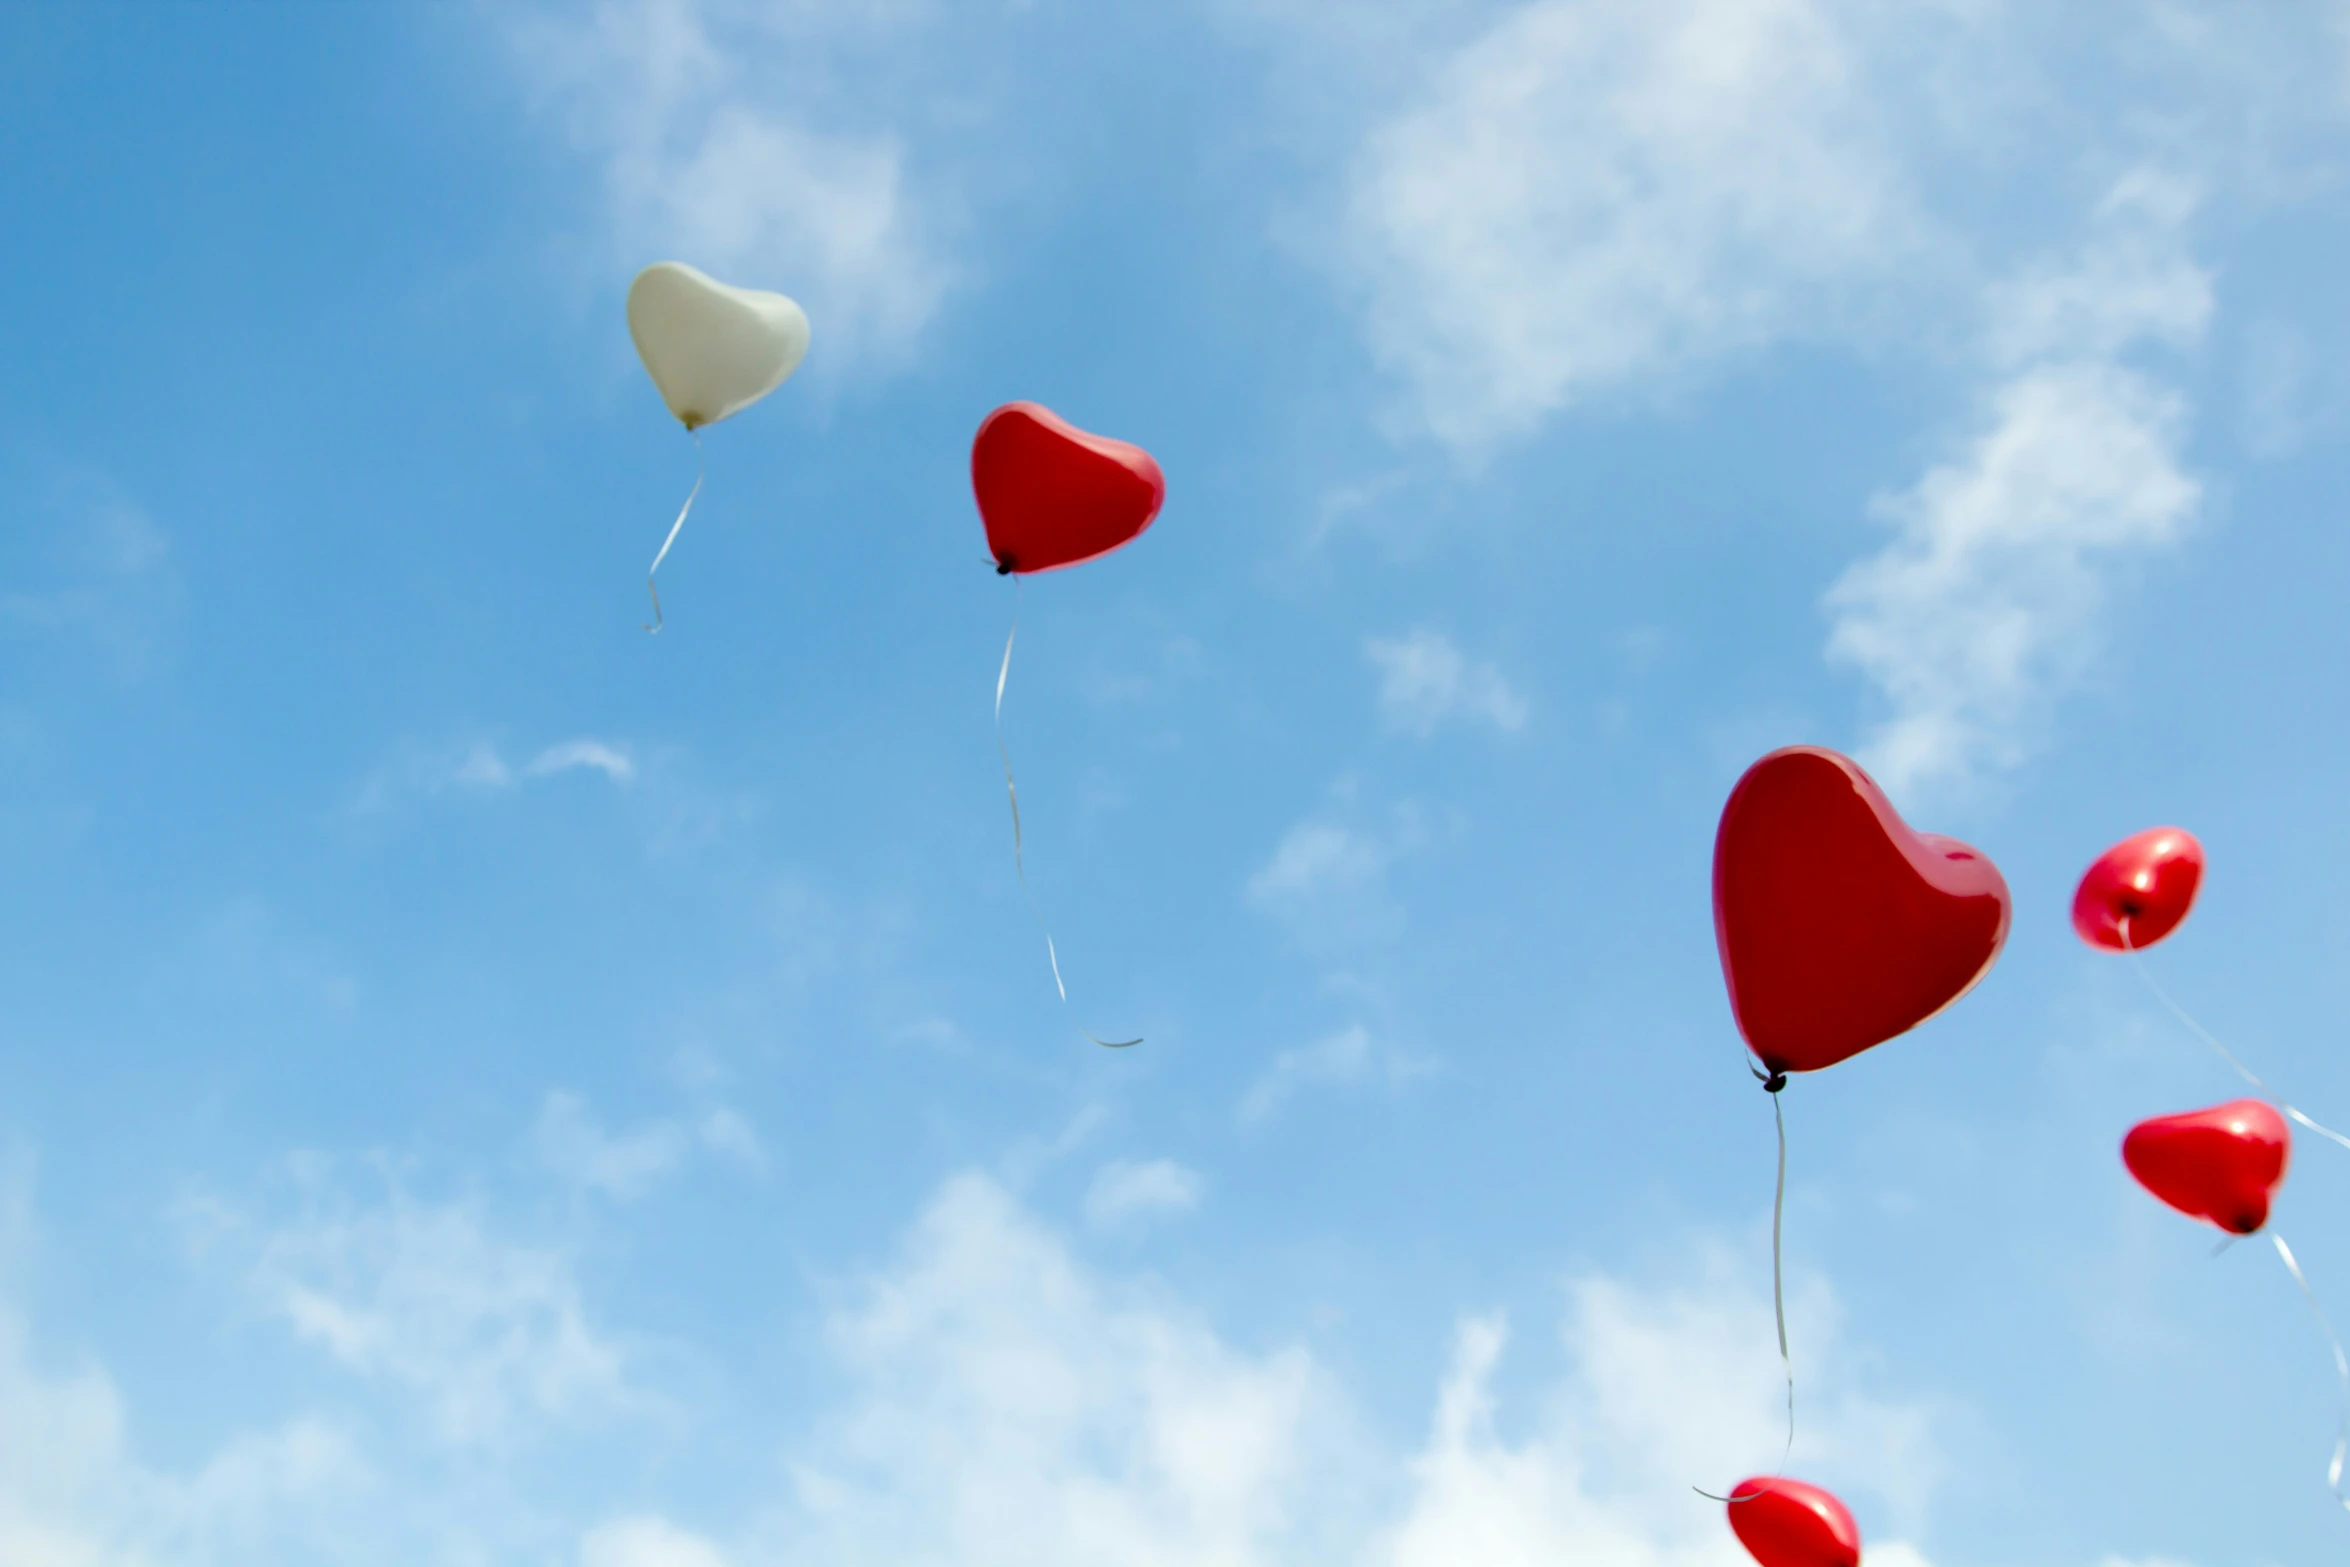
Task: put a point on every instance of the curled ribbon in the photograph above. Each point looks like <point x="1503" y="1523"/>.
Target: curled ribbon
<point x="2138" y="963"/>
<point x="1012" y="792"/>
<point x="2341" y="1370"/>
<point x="701" y="472"/>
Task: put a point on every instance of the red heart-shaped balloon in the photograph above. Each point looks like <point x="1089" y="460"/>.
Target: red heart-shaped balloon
<point x="2222" y="1164"/>
<point x="1840" y="927"/>
<point x="1052" y="495"/>
<point x="1786" y="1523"/>
<point x="2149" y="879"/>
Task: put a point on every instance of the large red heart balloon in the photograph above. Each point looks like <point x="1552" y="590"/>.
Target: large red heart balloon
<point x="1786" y="1523"/>
<point x="2149" y="879"/>
<point x="1839" y="926"/>
<point x="1052" y="495"/>
<point x="2222" y="1164"/>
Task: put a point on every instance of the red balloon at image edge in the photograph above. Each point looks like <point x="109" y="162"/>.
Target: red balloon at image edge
<point x="1786" y="1523"/>
<point x="2149" y="879"/>
<point x="2223" y="1164"/>
<point x="1052" y="495"/>
<point x="1839" y="926"/>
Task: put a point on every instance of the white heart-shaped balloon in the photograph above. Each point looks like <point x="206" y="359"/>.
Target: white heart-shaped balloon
<point x="712" y="349"/>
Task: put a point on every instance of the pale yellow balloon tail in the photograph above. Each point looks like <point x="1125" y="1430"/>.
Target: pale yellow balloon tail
<point x="1019" y="861"/>
<point x="701" y="472"/>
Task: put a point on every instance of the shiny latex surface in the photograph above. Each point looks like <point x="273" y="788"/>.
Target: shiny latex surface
<point x="2222" y="1165"/>
<point x="1838" y="925"/>
<point x="712" y="349"/>
<point x="1786" y="1523"/>
<point x="2149" y="878"/>
<point x="1052" y="495"/>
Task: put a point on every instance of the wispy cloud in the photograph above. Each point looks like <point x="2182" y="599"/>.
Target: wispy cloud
<point x="490" y="1333"/>
<point x="612" y="761"/>
<point x="1327" y="878"/>
<point x="1591" y="196"/>
<point x="90" y="563"/>
<point x="1009" y="1407"/>
<point x="571" y="1142"/>
<point x="1988" y="604"/>
<point x="1317" y="859"/>
<point x="73" y="1493"/>
<point x="1346" y="1058"/>
<point x="647" y="1542"/>
<point x="1006" y="1403"/>
<point x="1424" y="680"/>
<point x="723" y="137"/>
<point x="481" y="770"/>
<point x="1125" y="1194"/>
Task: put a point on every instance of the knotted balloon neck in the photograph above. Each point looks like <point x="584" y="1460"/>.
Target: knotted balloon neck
<point x="1004" y="566"/>
<point x="1773" y="1083"/>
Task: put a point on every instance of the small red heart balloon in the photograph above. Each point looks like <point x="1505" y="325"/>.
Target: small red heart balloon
<point x="1786" y="1523"/>
<point x="2222" y="1164"/>
<point x="1052" y="495"/>
<point x="1839" y="926"/>
<point x="2149" y="879"/>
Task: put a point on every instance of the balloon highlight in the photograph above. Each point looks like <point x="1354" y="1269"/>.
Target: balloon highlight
<point x="2221" y="1165"/>
<point x="712" y="351"/>
<point x="1838" y="925"/>
<point x="1786" y="1523"/>
<point x="2138" y="891"/>
<point x="1052" y="495"/>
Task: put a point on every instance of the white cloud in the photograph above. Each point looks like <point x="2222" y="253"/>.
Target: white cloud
<point x="484" y="1330"/>
<point x="1668" y="1391"/>
<point x="1342" y="1059"/>
<point x="72" y="1493"/>
<point x="610" y="760"/>
<point x="704" y="121"/>
<point x="1315" y="859"/>
<point x="1007" y="1404"/>
<point x="729" y="1135"/>
<point x="481" y="770"/>
<point x="88" y="561"/>
<point x="1124" y="1192"/>
<point x="1424" y="680"/>
<point x="1326" y="879"/>
<point x="647" y="1542"/>
<point x="570" y="1141"/>
<point x="2131" y="283"/>
<point x="1988" y="603"/>
<point x="60" y="1460"/>
<point x="1596" y="193"/>
<point x="1010" y="1409"/>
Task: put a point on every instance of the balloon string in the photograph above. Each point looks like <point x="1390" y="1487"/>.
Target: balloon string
<point x="1771" y="1085"/>
<point x="701" y="472"/>
<point x="1778" y="1293"/>
<point x="2341" y="1371"/>
<point x="2138" y="963"/>
<point x="1012" y="792"/>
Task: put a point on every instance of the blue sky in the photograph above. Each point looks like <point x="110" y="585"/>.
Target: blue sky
<point x="482" y="1085"/>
